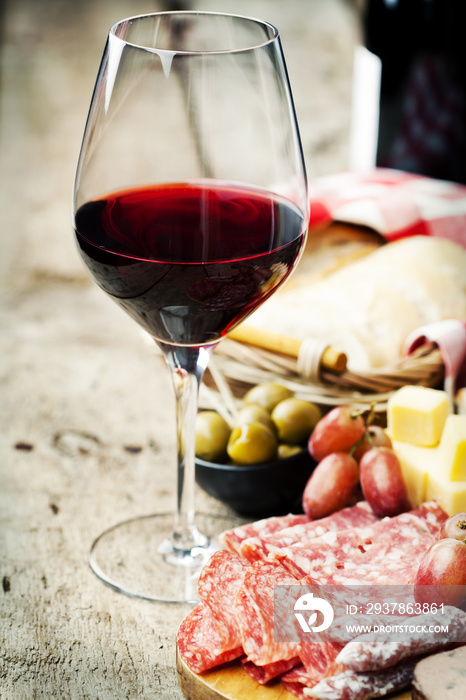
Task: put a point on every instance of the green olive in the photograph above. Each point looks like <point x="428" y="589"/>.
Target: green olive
<point x="267" y="395"/>
<point x="285" y="451"/>
<point x="252" y="443"/>
<point x="295" y="419"/>
<point x="212" y="434"/>
<point x="253" y="413"/>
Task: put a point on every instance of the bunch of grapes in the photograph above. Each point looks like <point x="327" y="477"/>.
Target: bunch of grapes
<point x="352" y="453"/>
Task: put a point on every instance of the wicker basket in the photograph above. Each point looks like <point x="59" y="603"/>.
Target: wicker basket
<point x="236" y="366"/>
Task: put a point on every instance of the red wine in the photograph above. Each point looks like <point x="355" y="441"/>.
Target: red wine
<point x="189" y="261"/>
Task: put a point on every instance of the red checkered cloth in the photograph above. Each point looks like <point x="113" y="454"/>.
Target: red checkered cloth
<point x="396" y="204"/>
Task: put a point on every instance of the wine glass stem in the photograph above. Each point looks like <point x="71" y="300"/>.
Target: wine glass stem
<point x="187" y="365"/>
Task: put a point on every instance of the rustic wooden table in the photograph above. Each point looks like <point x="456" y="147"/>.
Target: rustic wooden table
<point x="87" y="433"/>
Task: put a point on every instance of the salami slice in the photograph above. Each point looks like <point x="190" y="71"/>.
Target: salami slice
<point x="368" y="654"/>
<point x="264" y="546"/>
<point x="219" y="582"/>
<point x="264" y="674"/>
<point x="386" y="552"/>
<point x="199" y="642"/>
<point x="320" y="557"/>
<point x="298" y="674"/>
<point x="432" y="515"/>
<point x="296" y="689"/>
<point x="254" y="612"/>
<point x="232" y="539"/>
<point x="362" y="686"/>
<point x="320" y="659"/>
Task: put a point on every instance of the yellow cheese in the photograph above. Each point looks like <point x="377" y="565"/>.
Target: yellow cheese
<point x="453" y="448"/>
<point x="450" y="495"/>
<point x="417" y="414"/>
<point x="416" y="464"/>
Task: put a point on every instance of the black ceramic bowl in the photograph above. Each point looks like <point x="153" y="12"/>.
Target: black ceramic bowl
<point x="258" y="490"/>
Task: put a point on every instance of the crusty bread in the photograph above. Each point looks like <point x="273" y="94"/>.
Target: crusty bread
<point x="368" y="306"/>
<point x="331" y="247"/>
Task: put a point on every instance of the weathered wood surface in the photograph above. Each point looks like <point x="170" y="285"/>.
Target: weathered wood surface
<point x="79" y="386"/>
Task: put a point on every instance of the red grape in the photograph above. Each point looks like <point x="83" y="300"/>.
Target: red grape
<point x="338" y="431"/>
<point x="441" y="577"/>
<point x="375" y="437"/>
<point x="454" y="527"/>
<point x="331" y="485"/>
<point x="382" y="482"/>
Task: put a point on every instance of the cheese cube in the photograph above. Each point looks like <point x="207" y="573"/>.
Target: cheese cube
<point x="416" y="464"/>
<point x="452" y="448"/>
<point x="417" y="414"/>
<point x="450" y="495"/>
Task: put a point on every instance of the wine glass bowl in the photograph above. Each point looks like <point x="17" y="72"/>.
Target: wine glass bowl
<point x="190" y="210"/>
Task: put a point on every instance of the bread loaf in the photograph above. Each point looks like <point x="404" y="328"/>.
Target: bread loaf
<point x="368" y="307"/>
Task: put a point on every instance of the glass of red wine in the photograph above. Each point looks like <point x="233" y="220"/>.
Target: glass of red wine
<point x="190" y="210"/>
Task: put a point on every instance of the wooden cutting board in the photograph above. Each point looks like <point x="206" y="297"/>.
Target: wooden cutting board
<point x="231" y="683"/>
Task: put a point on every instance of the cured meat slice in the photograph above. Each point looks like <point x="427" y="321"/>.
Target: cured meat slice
<point x="219" y="582"/>
<point x="388" y="551"/>
<point x="362" y="686"/>
<point x="262" y="547"/>
<point x="367" y="654"/>
<point x="298" y="674"/>
<point x="264" y="674"/>
<point x="320" y="659"/>
<point x="232" y="539"/>
<point x="295" y="688"/>
<point x="199" y="644"/>
<point x="210" y="635"/>
<point x="432" y="515"/>
<point x="320" y="557"/>
<point x="254" y="612"/>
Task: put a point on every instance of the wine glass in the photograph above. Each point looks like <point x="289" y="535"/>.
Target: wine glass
<point x="190" y="210"/>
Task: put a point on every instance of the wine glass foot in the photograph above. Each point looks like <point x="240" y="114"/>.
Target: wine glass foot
<point x="136" y="557"/>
